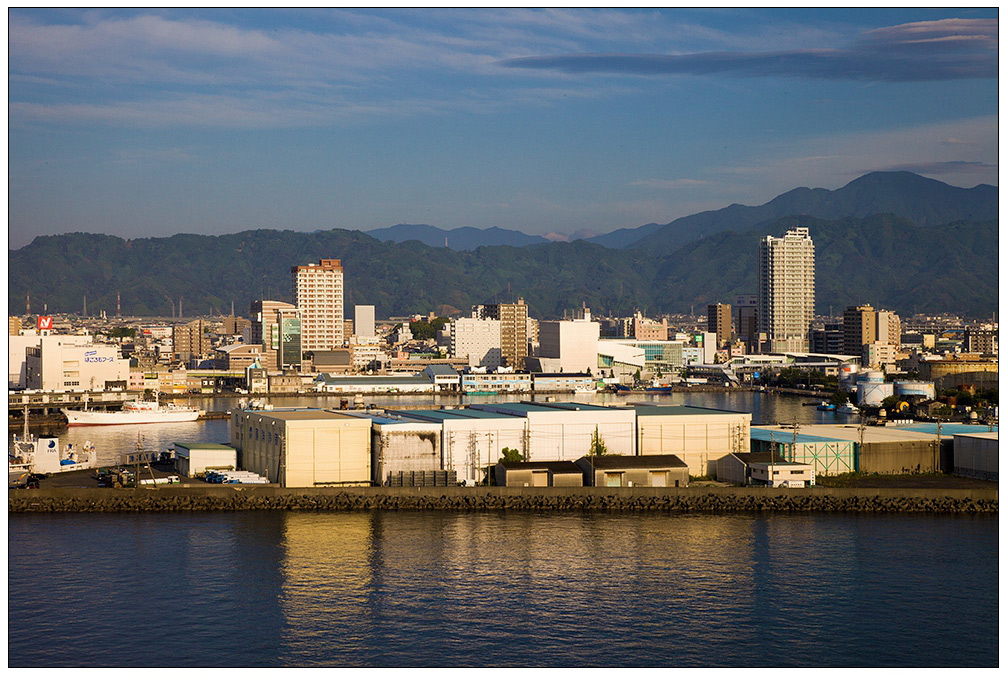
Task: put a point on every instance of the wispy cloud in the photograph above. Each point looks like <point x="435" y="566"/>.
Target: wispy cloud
<point x="945" y="168"/>
<point x="670" y="184"/>
<point x="946" y="49"/>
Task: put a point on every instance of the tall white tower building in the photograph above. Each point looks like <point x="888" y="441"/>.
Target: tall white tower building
<point x="787" y="289"/>
<point x="318" y="293"/>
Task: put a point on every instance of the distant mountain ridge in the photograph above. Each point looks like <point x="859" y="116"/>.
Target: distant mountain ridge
<point x="922" y="201"/>
<point x="458" y="239"/>
<point x="882" y="259"/>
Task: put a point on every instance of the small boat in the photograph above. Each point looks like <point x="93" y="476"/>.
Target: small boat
<point x="825" y="405"/>
<point x="849" y="409"/>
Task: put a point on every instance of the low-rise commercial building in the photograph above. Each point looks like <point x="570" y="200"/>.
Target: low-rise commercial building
<point x="374" y="384"/>
<point x="562" y="382"/>
<point x="502" y="380"/>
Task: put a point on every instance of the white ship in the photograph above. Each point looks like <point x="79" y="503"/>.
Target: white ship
<point x="133" y="412"/>
<point x="29" y="455"/>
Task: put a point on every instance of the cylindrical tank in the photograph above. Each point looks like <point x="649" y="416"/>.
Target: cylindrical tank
<point x="873" y="393"/>
<point x="915" y="388"/>
<point x="848" y="376"/>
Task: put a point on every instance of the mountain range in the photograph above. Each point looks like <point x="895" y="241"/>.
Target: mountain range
<point x="933" y="249"/>
<point x="923" y="201"/>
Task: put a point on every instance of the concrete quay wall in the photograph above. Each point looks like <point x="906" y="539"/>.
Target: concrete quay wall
<point x="681" y="500"/>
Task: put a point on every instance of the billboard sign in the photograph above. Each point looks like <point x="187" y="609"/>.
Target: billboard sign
<point x="45" y="323"/>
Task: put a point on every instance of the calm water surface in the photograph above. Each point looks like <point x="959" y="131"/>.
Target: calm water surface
<point x="501" y="589"/>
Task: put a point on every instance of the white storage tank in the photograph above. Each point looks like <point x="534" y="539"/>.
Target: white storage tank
<point x="873" y="393"/>
<point x="915" y="388"/>
<point x="848" y="376"/>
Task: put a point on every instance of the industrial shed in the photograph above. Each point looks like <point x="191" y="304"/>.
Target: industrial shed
<point x="828" y="456"/>
<point x="639" y="471"/>
<point x="889" y="449"/>
<point x="697" y="436"/>
<point x="401" y="446"/>
<point x="734" y="467"/>
<point x="538" y="474"/>
<point x="195" y="459"/>
<point x="564" y="431"/>
<point x="304" y="447"/>
<point x="977" y="455"/>
<point x="472" y="441"/>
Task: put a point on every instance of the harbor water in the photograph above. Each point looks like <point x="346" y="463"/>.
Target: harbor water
<point x="442" y="589"/>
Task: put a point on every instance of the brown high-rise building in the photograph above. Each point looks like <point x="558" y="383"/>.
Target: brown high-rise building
<point x="860" y="327"/>
<point x="513" y="318"/>
<point x="718" y="320"/>
<point x="190" y="340"/>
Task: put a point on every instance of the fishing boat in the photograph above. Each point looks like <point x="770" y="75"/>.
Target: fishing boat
<point x="826" y="406"/>
<point x="133" y="412"/>
<point x="29" y="455"/>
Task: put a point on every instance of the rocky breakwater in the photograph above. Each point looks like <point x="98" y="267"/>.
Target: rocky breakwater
<point x="681" y="500"/>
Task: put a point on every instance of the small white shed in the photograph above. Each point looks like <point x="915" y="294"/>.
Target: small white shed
<point x="195" y="459"/>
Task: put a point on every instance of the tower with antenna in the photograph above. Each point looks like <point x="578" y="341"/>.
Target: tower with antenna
<point x="118" y="305"/>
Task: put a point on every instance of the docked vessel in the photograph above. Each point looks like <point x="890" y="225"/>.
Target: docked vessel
<point x="28" y="456"/>
<point x="133" y="412"/>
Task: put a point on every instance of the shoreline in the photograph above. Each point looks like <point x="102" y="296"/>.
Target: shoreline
<point x="667" y="500"/>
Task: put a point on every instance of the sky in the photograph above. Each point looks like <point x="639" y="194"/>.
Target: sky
<point x="148" y="123"/>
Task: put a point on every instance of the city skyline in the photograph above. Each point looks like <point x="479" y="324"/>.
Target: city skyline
<point x="148" y="123"/>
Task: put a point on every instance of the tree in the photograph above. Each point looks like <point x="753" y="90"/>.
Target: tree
<point x="598" y="446"/>
<point x="889" y="402"/>
<point x="512" y="455"/>
<point x="839" y="398"/>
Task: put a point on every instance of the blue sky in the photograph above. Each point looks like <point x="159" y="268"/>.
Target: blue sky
<point x="148" y="123"/>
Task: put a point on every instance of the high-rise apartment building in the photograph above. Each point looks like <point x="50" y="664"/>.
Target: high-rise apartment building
<point x="513" y="318"/>
<point x="787" y="289"/>
<point x="718" y="320"/>
<point x="318" y="294"/>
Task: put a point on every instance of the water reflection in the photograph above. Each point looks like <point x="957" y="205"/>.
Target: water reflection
<point x="501" y="589"/>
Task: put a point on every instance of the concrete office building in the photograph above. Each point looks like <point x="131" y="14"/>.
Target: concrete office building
<point x="318" y="294"/>
<point x="478" y="340"/>
<point x="277" y="327"/>
<point x="304" y="448"/>
<point x="746" y="322"/>
<point x="569" y="346"/>
<point x="787" y="289"/>
<point x="68" y="363"/>
<point x="363" y="316"/>
<point x="649" y="329"/>
<point x="859" y="328"/>
<point x="718" y="320"/>
<point x="514" y="336"/>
